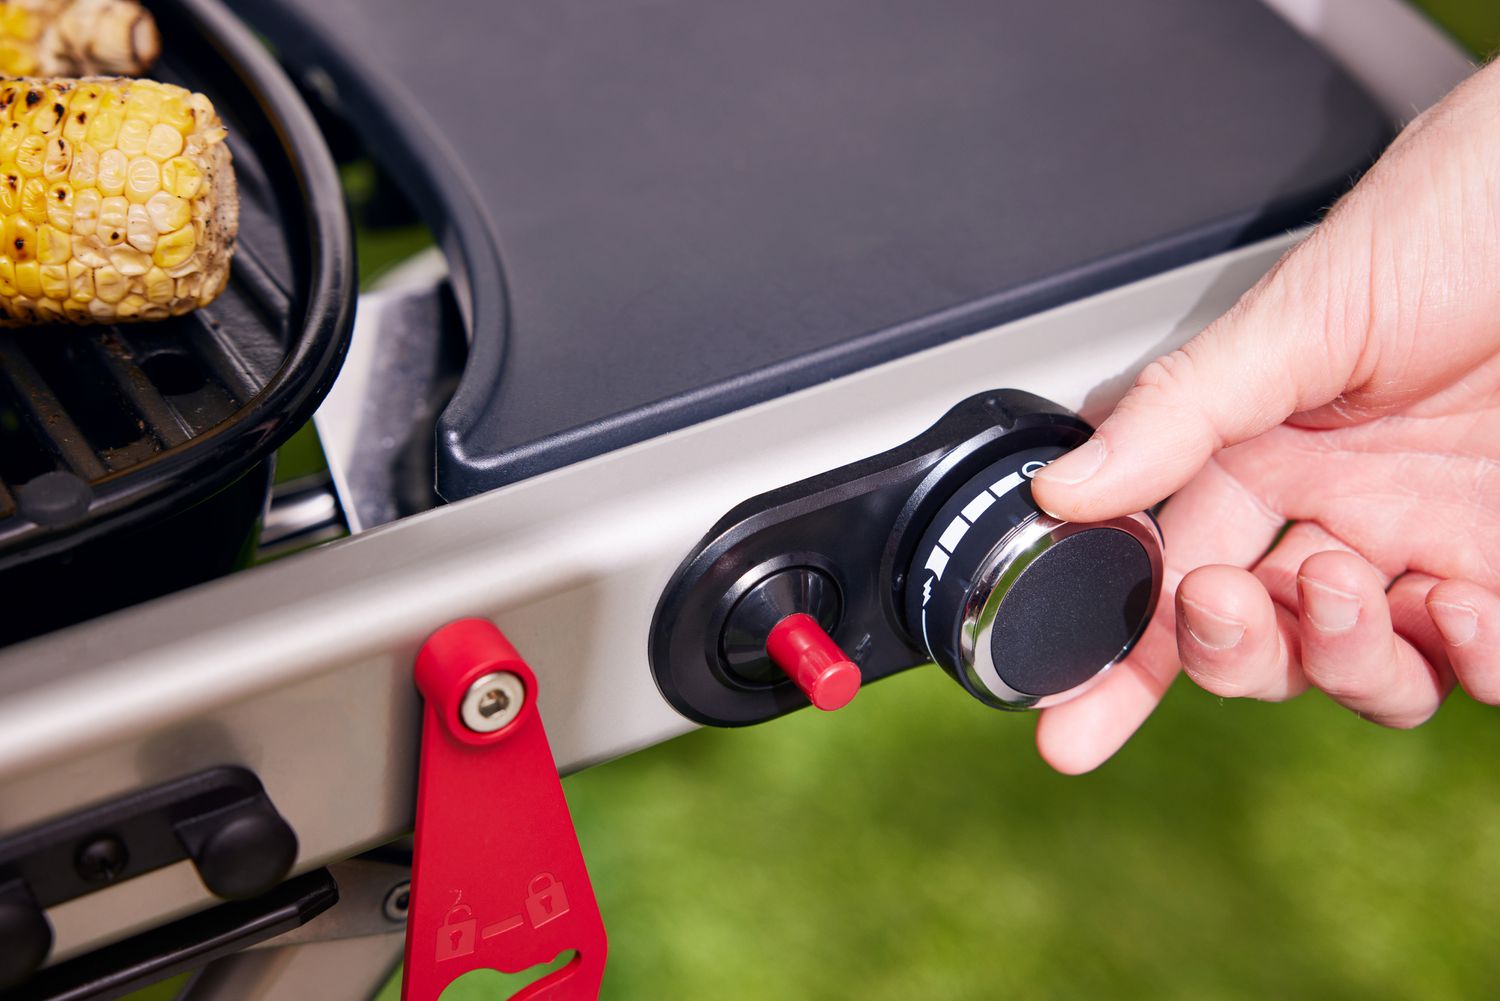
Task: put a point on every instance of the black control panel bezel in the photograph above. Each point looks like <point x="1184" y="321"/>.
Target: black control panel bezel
<point x="858" y="524"/>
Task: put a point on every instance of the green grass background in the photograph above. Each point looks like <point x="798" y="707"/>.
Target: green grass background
<point x="912" y="846"/>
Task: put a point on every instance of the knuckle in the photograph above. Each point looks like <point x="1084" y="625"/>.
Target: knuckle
<point x="1166" y="377"/>
<point x="1351" y="687"/>
<point x="1256" y="673"/>
<point x="1216" y="680"/>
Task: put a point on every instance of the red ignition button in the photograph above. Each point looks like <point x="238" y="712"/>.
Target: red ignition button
<point x="810" y="657"/>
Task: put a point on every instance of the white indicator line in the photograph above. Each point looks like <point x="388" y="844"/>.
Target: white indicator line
<point x="954" y="533"/>
<point x="978" y="506"/>
<point x="1006" y="484"/>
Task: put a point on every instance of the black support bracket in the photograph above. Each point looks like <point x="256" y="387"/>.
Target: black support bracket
<point x="220" y="819"/>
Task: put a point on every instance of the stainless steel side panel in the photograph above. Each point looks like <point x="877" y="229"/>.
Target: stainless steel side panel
<point x="300" y="669"/>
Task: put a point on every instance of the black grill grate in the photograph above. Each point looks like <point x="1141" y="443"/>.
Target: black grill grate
<point x="144" y="419"/>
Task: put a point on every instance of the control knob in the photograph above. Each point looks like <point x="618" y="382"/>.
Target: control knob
<point x="1023" y="610"/>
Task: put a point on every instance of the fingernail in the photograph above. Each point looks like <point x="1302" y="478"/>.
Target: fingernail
<point x="1077" y="466"/>
<point x="1328" y="608"/>
<point x="1210" y="629"/>
<point x="1457" y="623"/>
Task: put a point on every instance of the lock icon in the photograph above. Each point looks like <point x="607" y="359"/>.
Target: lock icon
<point x="546" y="900"/>
<point x="456" y="934"/>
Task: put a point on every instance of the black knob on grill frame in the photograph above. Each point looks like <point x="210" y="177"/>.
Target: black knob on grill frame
<point x="25" y="934"/>
<point x="243" y="852"/>
<point x="1023" y="610"/>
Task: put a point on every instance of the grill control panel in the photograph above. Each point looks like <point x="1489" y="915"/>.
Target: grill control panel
<point x="932" y="551"/>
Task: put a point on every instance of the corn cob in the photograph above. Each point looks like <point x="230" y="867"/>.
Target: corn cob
<point x="117" y="201"/>
<point x="76" y="38"/>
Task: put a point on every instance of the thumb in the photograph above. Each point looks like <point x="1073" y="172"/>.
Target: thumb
<point x="1269" y="357"/>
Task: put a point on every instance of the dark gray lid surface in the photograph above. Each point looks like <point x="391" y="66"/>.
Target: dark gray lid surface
<point x="702" y="205"/>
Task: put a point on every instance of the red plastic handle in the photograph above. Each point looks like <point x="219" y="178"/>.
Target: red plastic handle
<point x="498" y="878"/>
<point x="814" y="662"/>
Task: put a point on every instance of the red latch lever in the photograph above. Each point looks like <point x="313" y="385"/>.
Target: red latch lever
<point x="498" y="878"/>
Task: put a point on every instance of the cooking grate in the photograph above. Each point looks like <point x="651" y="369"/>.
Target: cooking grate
<point x="107" y="427"/>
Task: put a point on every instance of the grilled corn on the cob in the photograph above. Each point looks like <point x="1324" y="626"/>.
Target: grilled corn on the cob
<point x="76" y="38"/>
<point x="117" y="201"/>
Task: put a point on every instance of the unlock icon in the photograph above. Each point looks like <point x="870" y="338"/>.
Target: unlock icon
<point x="456" y="934"/>
<point x="545" y="899"/>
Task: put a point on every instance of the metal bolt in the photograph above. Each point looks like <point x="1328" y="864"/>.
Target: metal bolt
<point x="102" y="859"/>
<point x="492" y="702"/>
<point x="398" y="901"/>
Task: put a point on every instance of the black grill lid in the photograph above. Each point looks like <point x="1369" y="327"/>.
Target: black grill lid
<point x="700" y="206"/>
<point x="105" y="428"/>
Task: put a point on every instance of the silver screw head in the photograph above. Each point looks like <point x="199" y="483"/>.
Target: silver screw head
<point x="397" y="901"/>
<point x="492" y="702"/>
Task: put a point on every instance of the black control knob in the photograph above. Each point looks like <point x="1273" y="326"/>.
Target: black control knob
<point x="25" y="935"/>
<point x="241" y="853"/>
<point x="1022" y="609"/>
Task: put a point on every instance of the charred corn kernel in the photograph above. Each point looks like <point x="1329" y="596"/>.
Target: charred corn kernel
<point x="117" y="200"/>
<point x="30" y="155"/>
<point x="48" y="114"/>
<point x="10" y="141"/>
<point x="57" y="160"/>
<point x="82" y="105"/>
<point x="20" y="239"/>
<point x="104" y="127"/>
<point x="114" y="213"/>
<point x="60" y="207"/>
<point x="85" y="170"/>
<point x="144" y="103"/>
<point x="76" y="37"/>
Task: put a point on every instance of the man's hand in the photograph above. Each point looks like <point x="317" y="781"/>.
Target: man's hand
<point x="1355" y="392"/>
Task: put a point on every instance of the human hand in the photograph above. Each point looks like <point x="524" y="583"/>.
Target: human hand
<point x="1355" y="391"/>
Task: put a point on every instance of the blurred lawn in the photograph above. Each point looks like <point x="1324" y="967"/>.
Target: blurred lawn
<point x="913" y="846"/>
<point x="1475" y="23"/>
